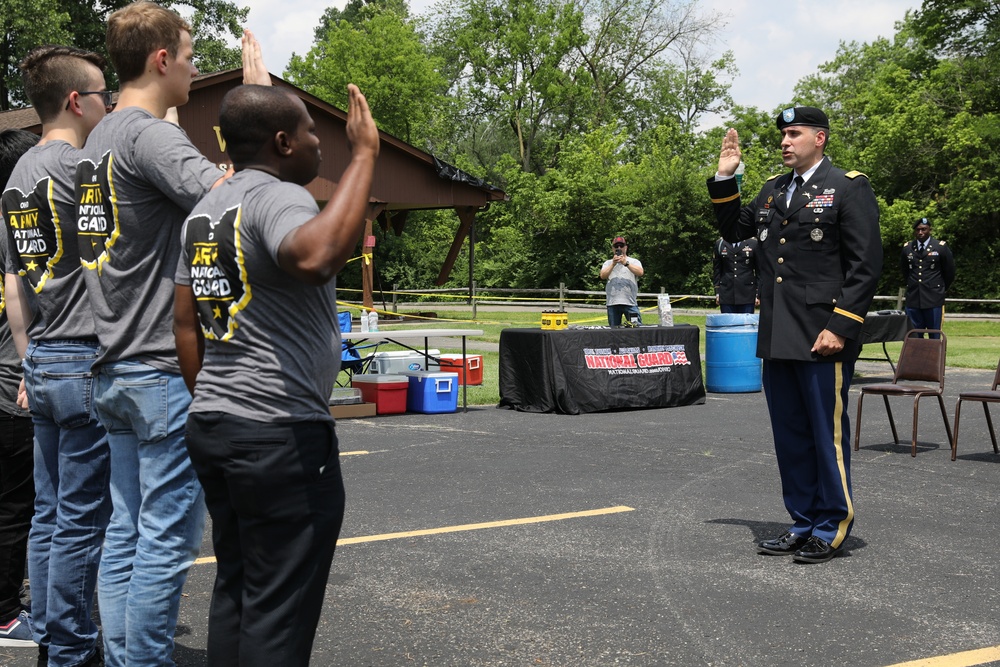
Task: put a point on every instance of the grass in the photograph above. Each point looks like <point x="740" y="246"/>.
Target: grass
<point x="970" y="344"/>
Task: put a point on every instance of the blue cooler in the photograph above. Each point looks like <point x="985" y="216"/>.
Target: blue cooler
<point x="731" y="362"/>
<point x="432" y="392"/>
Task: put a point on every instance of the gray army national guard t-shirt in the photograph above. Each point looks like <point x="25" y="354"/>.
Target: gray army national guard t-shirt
<point x="139" y="179"/>
<point x="40" y="213"/>
<point x="272" y="343"/>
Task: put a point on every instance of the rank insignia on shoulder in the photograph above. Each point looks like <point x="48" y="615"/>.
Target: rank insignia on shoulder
<point x="774" y="177"/>
<point x="941" y="242"/>
<point x="855" y="174"/>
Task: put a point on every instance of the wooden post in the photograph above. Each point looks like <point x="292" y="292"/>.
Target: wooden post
<point x="367" y="250"/>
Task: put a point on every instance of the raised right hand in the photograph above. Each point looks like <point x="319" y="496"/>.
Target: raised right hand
<point x="730" y="155"/>
<point x="362" y="134"/>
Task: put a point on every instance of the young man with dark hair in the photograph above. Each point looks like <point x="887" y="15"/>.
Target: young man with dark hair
<point x="258" y="341"/>
<point x="17" y="492"/>
<point x="72" y="458"/>
<point x="139" y="179"/>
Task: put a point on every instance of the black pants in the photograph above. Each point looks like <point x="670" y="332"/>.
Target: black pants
<point x="276" y="498"/>
<point x="17" y="504"/>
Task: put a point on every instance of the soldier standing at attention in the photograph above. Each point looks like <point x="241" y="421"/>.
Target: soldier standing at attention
<point x="734" y="274"/>
<point x="928" y="270"/>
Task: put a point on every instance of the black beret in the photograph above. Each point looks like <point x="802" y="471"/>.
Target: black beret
<point x="803" y="116"/>
<point x="921" y="221"/>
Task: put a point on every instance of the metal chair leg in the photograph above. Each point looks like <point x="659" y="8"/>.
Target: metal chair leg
<point x="916" y="416"/>
<point x="857" y="423"/>
<point x="892" y="422"/>
<point x="944" y="416"/>
<point x="989" y="423"/>
<point x="954" y="438"/>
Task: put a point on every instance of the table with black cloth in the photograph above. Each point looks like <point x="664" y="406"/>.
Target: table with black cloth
<point x="575" y="371"/>
<point x="882" y="327"/>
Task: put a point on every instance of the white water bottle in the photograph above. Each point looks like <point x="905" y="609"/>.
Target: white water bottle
<point x="364" y="321"/>
<point x="373" y="320"/>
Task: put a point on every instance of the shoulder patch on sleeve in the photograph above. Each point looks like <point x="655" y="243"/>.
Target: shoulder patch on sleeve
<point x="774" y="177"/>
<point x="855" y="174"/>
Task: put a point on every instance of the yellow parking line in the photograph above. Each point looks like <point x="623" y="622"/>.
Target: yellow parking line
<point x="469" y="526"/>
<point x="964" y="659"/>
<point x="354" y="453"/>
<point x="480" y="526"/>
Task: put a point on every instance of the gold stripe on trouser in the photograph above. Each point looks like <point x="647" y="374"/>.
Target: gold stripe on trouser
<point x="838" y="443"/>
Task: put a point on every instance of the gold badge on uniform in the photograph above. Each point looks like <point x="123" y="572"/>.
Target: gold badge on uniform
<point x="816" y="234"/>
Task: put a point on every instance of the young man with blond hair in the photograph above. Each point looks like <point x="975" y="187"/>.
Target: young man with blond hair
<point x="140" y="177"/>
<point x="72" y="459"/>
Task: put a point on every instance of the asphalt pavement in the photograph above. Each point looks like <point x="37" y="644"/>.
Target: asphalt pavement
<point x="627" y="538"/>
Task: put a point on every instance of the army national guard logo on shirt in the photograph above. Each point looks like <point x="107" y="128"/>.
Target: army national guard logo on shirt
<point x="97" y="211"/>
<point x="34" y="228"/>
<point x="218" y="272"/>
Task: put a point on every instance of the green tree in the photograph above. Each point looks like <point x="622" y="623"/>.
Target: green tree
<point x="383" y="55"/>
<point x="628" y="40"/>
<point x="510" y="61"/>
<point x="26" y="24"/>
<point x="29" y="23"/>
<point x="917" y="113"/>
<point x="356" y="12"/>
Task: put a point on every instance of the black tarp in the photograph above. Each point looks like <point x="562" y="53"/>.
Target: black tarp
<point x="575" y="371"/>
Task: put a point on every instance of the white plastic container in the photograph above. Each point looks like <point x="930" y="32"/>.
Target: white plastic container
<point x="395" y="363"/>
<point x="364" y="321"/>
<point x="373" y="321"/>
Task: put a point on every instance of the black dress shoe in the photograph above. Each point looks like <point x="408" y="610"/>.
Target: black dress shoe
<point x="786" y="545"/>
<point x="816" y="550"/>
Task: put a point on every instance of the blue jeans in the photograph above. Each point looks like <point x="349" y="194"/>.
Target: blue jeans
<point x="158" y="512"/>
<point x="617" y="312"/>
<point x="72" y="503"/>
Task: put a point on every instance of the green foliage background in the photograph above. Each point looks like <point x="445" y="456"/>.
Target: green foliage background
<point x="590" y="115"/>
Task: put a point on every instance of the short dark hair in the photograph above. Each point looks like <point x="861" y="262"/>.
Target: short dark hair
<point x="51" y="72"/>
<point x="13" y="144"/>
<point x="251" y="115"/>
<point x="139" y="29"/>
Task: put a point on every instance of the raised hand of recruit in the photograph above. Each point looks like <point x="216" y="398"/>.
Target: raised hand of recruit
<point x="254" y="70"/>
<point x="362" y="134"/>
<point x="730" y="155"/>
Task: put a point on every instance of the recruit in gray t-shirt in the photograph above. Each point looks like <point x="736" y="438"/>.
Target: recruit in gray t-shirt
<point x="139" y="179"/>
<point x="40" y="211"/>
<point x="10" y="363"/>
<point x="272" y="343"/>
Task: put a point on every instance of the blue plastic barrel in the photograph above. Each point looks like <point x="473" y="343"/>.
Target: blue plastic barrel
<point x="731" y="363"/>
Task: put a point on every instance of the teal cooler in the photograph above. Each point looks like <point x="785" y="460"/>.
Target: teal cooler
<point x="731" y="363"/>
<point x="432" y="392"/>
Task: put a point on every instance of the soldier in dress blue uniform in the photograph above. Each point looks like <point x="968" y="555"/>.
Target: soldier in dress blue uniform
<point x="734" y="274"/>
<point x="928" y="270"/>
<point x="819" y="257"/>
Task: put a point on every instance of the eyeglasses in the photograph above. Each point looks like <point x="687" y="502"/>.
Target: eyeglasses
<point x="105" y="97"/>
<point x="619" y="245"/>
